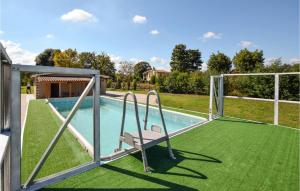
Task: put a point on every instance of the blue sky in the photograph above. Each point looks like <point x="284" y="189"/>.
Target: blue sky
<point x="148" y="30"/>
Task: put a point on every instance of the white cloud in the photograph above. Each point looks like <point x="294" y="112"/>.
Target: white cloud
<point x="295" y="60"/>
<point x="269" y="61"/>
<point x="116" y="60"/>
<point x="78" y="15"/>
<point x="154" y="32"/>
<point x="159" y="60"/>
<point x="1" y="32"/>
<point x="17" y="54"/>
<point x="210" y="35"/>
<point x="135" y="60"/>
<point x="50" y="36"/>
<point x="139" y="19"/>
<point x="246" y="43"/>
<point x="204" y="66"/>
<point x="160" y="63"/>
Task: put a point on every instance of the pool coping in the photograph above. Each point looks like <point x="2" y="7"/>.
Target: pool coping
<point x="108" y="158"/>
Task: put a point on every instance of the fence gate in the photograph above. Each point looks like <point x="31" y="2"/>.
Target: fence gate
<point x="217" y="93"/>
<point x="10" y="126"/>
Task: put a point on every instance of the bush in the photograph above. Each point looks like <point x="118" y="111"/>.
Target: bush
<point x="146" y="86"/>
<point x="152" y="80"/>
<point x="197" y="83"/>
<point x="134" y="84"/>
<point x="118" y="84"/>
<point x="123" y="85"/>
<point x="160" y="84"/>
<point x="178" y="82"/>
<point x="128" y="85"/>
<point x="109" y="83"/>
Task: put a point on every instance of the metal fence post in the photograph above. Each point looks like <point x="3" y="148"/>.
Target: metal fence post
<point x="15" y="141"/>
<point x="221" y="95"/>
<point x="211" y="94"/>
<point x="96" y="112"/>
<point x="276" y="98"/>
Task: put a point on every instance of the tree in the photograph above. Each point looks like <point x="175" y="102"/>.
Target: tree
<point x="104" y="64"/>
<point x="126" y="69"/>
<point x="67" y="58"/>
<point x="194" y="60"/>
<point x="219" y="63"/>
<point x="46" y="57"/>
<point x="87" y="59"/>
<point x="185" y="60"/>
<point x="247" y="61"/>
<point x="179" y="58"/>
<point x="140" y="68"/>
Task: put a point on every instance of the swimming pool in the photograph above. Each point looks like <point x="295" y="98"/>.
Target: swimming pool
<point x="110" y="120"/>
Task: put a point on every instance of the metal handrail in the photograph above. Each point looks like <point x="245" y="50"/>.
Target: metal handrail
<point x="136" y="116"/>
<point x="153" y="92"/>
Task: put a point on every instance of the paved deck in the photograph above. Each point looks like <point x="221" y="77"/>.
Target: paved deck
<point x="141" y="98"/>
<point x="25" y="98"/>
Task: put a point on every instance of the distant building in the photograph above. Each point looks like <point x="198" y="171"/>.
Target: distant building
<point x="52" y="86"/>
<point x="158" y="73"/>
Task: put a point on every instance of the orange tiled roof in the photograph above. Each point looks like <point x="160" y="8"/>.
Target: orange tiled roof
<point x="61" y="79"/>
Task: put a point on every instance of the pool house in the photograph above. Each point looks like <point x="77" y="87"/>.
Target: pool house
<point x="54" y="85"/>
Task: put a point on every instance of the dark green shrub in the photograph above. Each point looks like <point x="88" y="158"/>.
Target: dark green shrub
<point x="178" y="82"/>
<point x="128" y="85"/>
<point x="160" y="84"/>
<point x="152" y="80"/>
<point x="109" y="83"/>
<point x="134" y="84"/>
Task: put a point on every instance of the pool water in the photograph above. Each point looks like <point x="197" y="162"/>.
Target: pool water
<point x="111" y="117"/>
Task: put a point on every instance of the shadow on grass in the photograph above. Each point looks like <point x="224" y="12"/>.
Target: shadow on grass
<point x="143" y="176"/>
<point x="160" y="162"/>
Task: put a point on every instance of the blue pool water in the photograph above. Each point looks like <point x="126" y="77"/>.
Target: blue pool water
<point x="111" y="117"/>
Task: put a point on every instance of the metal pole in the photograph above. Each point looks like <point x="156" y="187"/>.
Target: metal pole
<point x="96" y="109"/>
<point x="211" y="94"/>
<point x="221" y="95"/>
<point x="58" y="134"/>
<point x="276" y="98"/>
<point x="147" y="108"/>
<point x="15" y="140"/>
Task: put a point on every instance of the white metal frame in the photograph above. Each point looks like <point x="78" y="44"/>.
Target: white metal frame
<point x="220" y="102"/>
<point x="12" y="128"/>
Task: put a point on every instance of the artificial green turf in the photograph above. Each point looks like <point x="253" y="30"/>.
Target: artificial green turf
<point x="226" y="154"/>
<point x="41" y="126"/>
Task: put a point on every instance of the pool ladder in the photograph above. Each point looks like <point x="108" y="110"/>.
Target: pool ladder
<point x="143" y="139"/>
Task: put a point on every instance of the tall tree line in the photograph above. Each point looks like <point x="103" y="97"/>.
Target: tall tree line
<point x="72" y="59"/>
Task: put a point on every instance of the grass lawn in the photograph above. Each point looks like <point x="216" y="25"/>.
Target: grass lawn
<point x="41" y="126"/>
<point x="226" y="154"/>
<point x="247" y="109"/>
